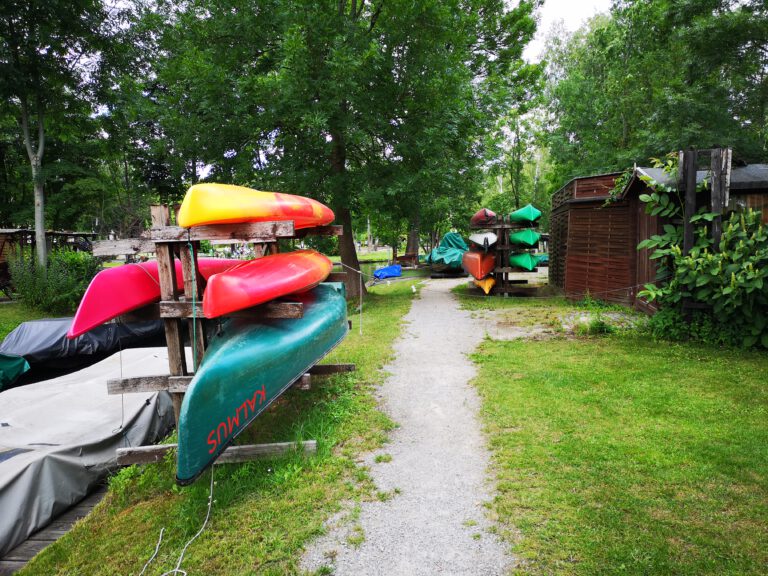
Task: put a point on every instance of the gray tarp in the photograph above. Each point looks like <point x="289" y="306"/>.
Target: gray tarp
<point x="58" y="437"/>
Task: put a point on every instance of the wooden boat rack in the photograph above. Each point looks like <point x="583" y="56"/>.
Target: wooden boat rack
<point x="503" y="228"/>
<point x="168" y="241"/>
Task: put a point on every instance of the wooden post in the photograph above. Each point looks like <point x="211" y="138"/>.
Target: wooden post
<point x="721" y="168"/>
<point x="166" y="271"/>
<point x="193" y="291"/>
<point x="688" y="171"/>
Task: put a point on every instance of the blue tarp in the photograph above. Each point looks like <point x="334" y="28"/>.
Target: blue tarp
<point x="392" y="271"/>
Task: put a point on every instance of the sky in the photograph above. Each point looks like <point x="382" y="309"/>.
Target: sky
<point x="572" y="12"/>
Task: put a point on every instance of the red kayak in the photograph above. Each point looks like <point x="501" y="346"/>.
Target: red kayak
<point x="483" y="217"/>
<point x="118" y="290"/>
<point x="257" y="281"/>
<point x="479" y="264"/>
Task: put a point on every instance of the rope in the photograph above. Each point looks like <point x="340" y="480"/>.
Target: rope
<point x="177" y="569"/>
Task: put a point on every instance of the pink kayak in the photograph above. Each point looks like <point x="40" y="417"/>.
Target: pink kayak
<point x="115" y="291"/>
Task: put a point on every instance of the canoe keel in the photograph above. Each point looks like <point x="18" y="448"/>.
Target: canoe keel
<point x="246" y="368"/>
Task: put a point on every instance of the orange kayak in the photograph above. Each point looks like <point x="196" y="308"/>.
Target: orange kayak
<point x="257" y="281"/>
<point x="227" y="204"/>
<point x="479" y="264"/>
<point x="115" y="291"/>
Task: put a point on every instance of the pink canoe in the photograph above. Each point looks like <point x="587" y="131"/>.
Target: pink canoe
<point x="257" y="281"/>
<point x="115" y="291"/>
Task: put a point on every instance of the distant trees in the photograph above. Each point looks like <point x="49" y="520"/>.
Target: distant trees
<point x="655" y="76"/>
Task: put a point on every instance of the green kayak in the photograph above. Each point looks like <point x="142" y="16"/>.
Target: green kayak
<point x="246" y="367"/>
<point x="527" y="213"/>
<point x="525" y="237"/>
<point x="524" y="260"/>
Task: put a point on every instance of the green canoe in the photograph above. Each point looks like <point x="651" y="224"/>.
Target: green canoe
<point x="524" y="260"/>
<point x="246" y="367"/>
<point x="527" y="213"/>
<point x="525" y="237"/>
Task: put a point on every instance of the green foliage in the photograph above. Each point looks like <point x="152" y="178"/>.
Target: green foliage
<point x="595" y="326"/>
<point x="58" y="288"/>
<point x="733" y="279"/>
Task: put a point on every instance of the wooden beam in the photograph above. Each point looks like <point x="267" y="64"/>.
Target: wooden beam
<point x="179" y="384"/>
<point x="326" y="369"/>
<point x="273" y="309"/>
<point x="303" y="383"/>
<point x="689" y="185"/>
<point x="721" y="168"/>
<point x="337" y="277"/>
<point x="248" y="231"/>
<point x="120" y="247"/>
<point x="333" y="230"/>
<point x="232" y="455"/>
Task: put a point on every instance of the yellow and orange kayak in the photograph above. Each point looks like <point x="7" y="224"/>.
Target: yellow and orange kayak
<point x="228" y="204"/>
<point x="486" y="284"/>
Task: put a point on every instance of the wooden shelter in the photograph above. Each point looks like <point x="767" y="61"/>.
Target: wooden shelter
<point x="594" y="236"/>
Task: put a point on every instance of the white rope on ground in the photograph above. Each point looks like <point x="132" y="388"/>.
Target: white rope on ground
<point x="177" y="569"/>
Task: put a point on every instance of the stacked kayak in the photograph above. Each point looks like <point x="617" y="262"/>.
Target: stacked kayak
<point x="513" y="248"/>
<point x="246" y="367"/>
<point x="250" y="361"/>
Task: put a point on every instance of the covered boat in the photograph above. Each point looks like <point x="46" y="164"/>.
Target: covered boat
<point x="254" y="282"/>
<point x="116" y="291"/>
<point x="483" y="217"/>
<point x="527" y="237"/>
<point x="524" y="260"/>
<point x="211" y="203"/>
<point x="527" y="214"/>
<point x="246" y="367"/>
<point x="479" y="264"/>
<point x="448" y="255"/>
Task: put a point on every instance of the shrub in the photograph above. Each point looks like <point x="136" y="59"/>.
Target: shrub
<point x="58" y="288"/>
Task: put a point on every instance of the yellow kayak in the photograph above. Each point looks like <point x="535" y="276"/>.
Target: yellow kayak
<point x="486" y="284"/>
<point x="227" y="204"/>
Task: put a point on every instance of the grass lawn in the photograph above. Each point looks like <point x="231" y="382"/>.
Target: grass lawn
<point x="618" y="455"/>
<point x="264" y="511"/>
<point x="14" y="313"/>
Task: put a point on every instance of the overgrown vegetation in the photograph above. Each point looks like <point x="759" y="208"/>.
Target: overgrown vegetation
<point x="263" y="512"/>
<point x="624" y="456"/>
<point x="14" y="313"/>
<point x="731" y="277"/>
<point x="57" y="288"/>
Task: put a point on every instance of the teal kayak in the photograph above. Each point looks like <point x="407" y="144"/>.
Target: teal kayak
<point x="524" y="260"/>
<point x="246" y="367"/>
<point x="528" y="213"/>
<point x="525" y="237"/>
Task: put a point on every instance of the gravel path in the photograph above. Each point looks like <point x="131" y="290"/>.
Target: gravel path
<point x="434" y="522"/>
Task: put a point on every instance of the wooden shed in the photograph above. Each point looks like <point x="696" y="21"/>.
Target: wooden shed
<point x="593" y="246"/>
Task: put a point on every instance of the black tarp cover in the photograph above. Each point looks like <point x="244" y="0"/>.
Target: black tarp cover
<point x="44" y="343"/>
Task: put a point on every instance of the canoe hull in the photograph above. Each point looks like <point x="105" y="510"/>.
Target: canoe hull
<point x="483" y="239"/>
<point x="479" y="264"/>
<point x="486" y="285"/>
<point x="529" y="238"/>
<point x="527" y="214"/>
<point x="257" y="281"/>
<point x="246" y="367"/>
<point x="524" y="260"/>
<point x="483" y="217"/>
<point x="226" y="204"/>
<point x="118" y="290"/>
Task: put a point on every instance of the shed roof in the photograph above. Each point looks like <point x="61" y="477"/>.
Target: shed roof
<point x="750" y="177"/>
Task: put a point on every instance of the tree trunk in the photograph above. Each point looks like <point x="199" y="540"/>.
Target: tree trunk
<point x="40" y="242"/>
<point x="349" y="256"/>
<point x="412" y="246"/>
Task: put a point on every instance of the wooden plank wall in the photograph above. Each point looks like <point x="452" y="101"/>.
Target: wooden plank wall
<point x="756" y="201"/>
<point x="601" y="259"/>
<point x="595" y="187"/>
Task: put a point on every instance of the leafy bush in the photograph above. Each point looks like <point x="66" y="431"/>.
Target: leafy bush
<point x="596" y="326"/>
<point x="732" y="277"/>
<point x="58" y="288"/>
